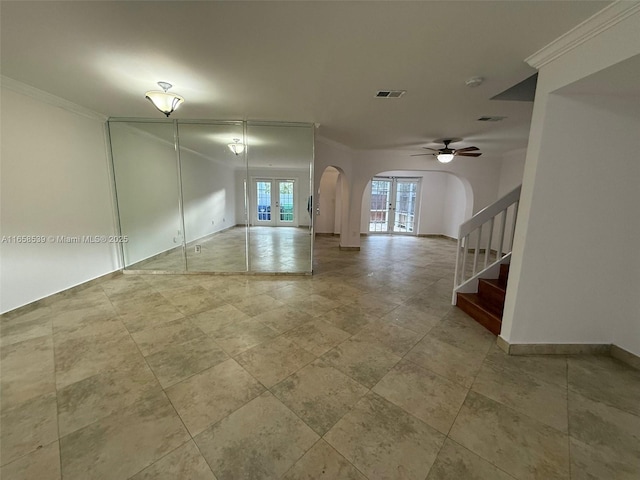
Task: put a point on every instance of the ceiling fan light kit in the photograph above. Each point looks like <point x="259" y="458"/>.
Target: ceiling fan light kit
<point x="164" y="100"/>
<point x="446" y="154"/>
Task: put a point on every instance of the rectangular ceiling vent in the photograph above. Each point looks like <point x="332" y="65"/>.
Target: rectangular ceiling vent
<point x="390" y="93"/>
<point x="491" y="119"/>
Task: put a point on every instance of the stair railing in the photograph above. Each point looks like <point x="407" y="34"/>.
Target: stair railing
<point x="477" y="234"/>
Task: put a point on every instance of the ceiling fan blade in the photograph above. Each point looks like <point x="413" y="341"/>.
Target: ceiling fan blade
<point x="432" y="149"/>
<point x="467" y="154"/>
<point x="467" y="149"/>
<point x="421" y="154"/>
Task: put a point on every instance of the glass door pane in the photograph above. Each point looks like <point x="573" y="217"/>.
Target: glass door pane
<point x="147" y="187"/>
<point x="380" y="204"/>
<point x="405" y="205"/>
<point x="264" y="200"/>
<point x="286" y="206"/>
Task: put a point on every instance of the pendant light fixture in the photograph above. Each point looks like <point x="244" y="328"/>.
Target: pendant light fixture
<point x="236" y="147"/>
<point x="163" y="100"/>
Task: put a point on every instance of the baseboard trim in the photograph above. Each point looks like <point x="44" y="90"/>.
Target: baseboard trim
<point x="436" y="235"/>
<point x="625" y="356"/>
<point x="611" y="350"/>
<point x="43" y="302"/>
<point x="319" y="234"/>
<point x="347" y="249"/>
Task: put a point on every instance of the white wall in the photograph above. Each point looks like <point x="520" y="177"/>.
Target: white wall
<point x="55" y="181"/>
<point x="575" y="270"/>
<point x="511" y="171"/>
<point x="209" y="194"/>
<point x="455" y="207"/>
<point x="146" y="176"/>
<point x="326" y="202"/>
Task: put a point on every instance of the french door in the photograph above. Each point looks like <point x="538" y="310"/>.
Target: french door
<point x="275" y="202"/>
<point x="393" y="205"/>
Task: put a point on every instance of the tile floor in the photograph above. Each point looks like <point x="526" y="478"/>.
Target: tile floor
<point x="271" y="249"/>
<point x="363" y="371"/>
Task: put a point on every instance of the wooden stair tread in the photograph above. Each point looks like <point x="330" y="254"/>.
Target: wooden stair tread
<point x="481" y="311"/>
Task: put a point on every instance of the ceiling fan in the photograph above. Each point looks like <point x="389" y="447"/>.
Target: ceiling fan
<point x="446" y="154"/>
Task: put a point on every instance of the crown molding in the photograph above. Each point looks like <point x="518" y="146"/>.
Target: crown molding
<point x="49" y="98"/>
<point x="591" y="27"/>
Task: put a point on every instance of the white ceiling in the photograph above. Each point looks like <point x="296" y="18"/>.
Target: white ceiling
<point x="300" y="61"/>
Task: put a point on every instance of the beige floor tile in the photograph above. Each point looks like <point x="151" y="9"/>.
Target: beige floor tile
<point x="433" y="399"/>
<point x="209" y="396"/>
<point x="446" y="360"/>
<point x="455" y="462"/>
<point x="515" y="443"/>
<point x="87" y="322"/>
<point x="319" y="394"/>
<point x="372" y="304"/>
<point x="98" y="396"/>
<point x="184" y="462"/>
<point x="152" y="314"/>
<point x="216" y="319"/>
<point x="314" y="304"/>
<point x="516" y="388"/>
<point x="614" y="433"/>
<point x="460" y="330"/>
<point x="33" y="324"/>
<point x="590" y="462"/>
<point x="548" y="368"/>
<point x="363" y="360"/>
<point x="79" y="358"/>
<point x="397" y="339"/>
<point x="236" y="333"/>
<point x="192" y="299"/>
<point x="257" y="304"/>
<point x="350" y="317"/>
<point x="273" y="361"/>
<point x="180" y="361"/>
<point x="606" y="380"/>
<point x="282" y="319"/>
<point x="385" y="442"/>
<point x="28" y="426"/>
<point x="123" y="443"/>
<point x="413" y="319"/>
<point x="261" y="440"/>
<point x="317" y="336"/>
<point x="322" y="462"/>
<point x="41" y="464"/>
<point x="159" y="337"/>
<point x="27" y="370"/>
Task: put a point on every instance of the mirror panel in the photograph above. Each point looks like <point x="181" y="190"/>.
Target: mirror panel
<point x="147" y="189"/>
<point x="215" y="225"/>
<point x="280" y="160"/>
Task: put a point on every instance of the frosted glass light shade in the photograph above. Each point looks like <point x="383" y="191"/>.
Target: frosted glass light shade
<point x="236" y="148"/>
<point x="166" y="102"/>
<point x="445" y="157"/>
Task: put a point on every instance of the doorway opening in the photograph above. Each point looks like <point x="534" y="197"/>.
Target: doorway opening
<point x="393" y="205"/>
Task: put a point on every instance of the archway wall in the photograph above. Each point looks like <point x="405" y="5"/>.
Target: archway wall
<point x="480" y="178"/>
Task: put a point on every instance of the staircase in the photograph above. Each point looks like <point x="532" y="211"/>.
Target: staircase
<point x="486" y="306"/>
<point x="482" y="261"/>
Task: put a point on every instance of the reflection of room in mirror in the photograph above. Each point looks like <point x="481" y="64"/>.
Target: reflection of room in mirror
<point x="191" y="211"/>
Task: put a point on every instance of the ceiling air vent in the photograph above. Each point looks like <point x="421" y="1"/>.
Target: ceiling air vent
<point x="390" y="93"/>
<point x="491" y="119"/>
